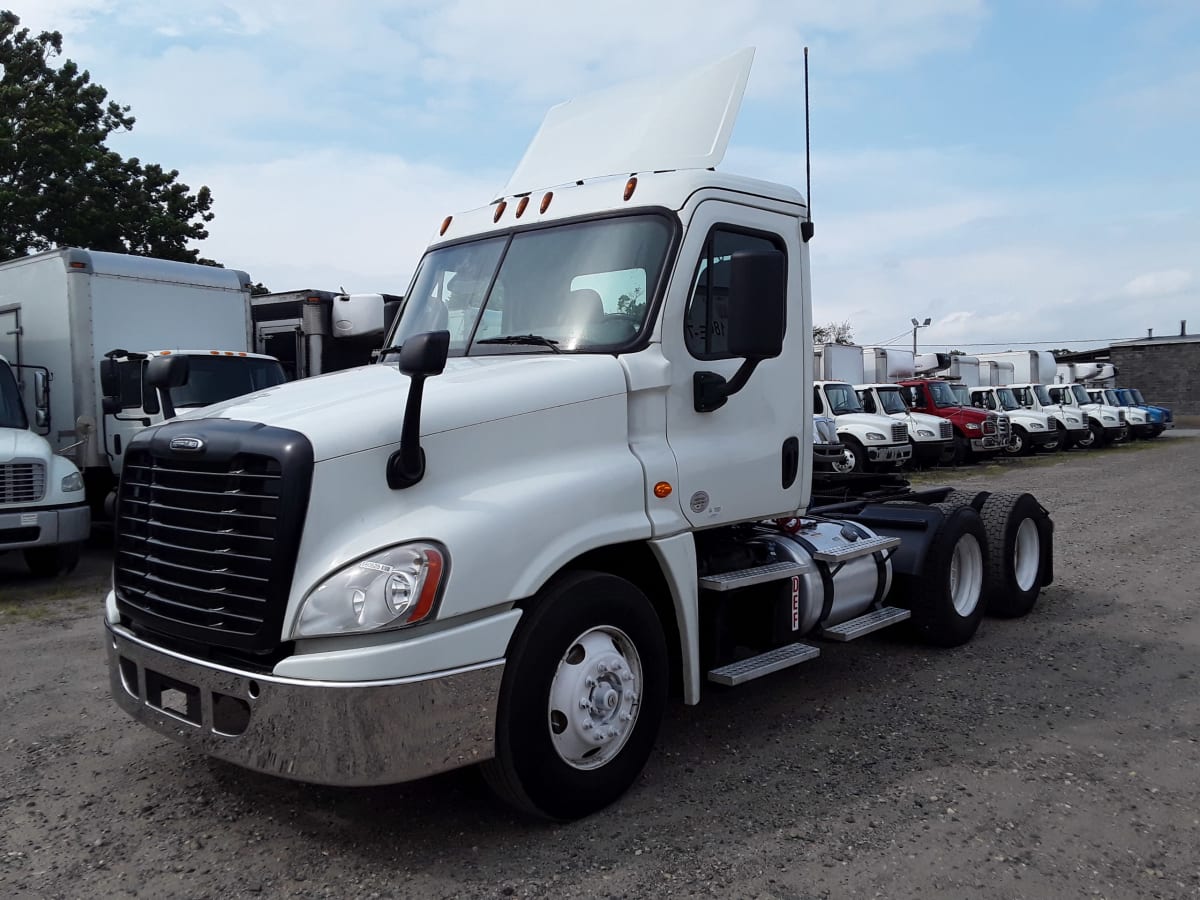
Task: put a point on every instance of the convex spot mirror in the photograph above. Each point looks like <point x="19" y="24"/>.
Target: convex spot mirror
<point x="425" y="354"/>
<point x="167" y="372"/>
<point x="757" y="304"/>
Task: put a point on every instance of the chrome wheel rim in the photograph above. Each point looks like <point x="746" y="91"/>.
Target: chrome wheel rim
<point x="846" y="464"/>
<point x="595" y="698"/>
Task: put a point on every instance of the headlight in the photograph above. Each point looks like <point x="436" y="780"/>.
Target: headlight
<point x="1036" y="426"/>
<point x="389" y="589"/>
<point x="972" y="426"/>
<point x="1108" y="418"/>
<point x="921" y="432"/>
<point x="1072" y="420"/>
<point x="72" y="482"/>
<point x="876" y="436"/>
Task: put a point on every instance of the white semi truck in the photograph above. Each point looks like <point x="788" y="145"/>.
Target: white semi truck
<point x="1031" y="430"/>
<point x="43" y="513"/>
<point x="1032" y="371"/>
<point x="92" y="320"/>
<point x="510" y="548"/>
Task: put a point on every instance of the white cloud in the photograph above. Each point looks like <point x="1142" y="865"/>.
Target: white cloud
<point x="1158" y="284"/>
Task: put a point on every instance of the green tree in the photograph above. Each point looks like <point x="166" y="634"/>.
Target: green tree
<point x="833" y="333"/>
<point x="632" y="304"/>
<point x="60" y="185"/>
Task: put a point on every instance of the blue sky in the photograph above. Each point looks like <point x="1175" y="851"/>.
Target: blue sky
<point x="1017" y="171"/>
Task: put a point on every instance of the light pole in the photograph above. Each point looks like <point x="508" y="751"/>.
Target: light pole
<point x="917" y="325"/>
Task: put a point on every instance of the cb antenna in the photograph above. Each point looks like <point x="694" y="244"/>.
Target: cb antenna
<point x="806" y="227"/>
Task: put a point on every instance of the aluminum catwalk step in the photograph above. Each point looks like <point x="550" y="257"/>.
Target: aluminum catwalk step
<point x="728" y="581"/>
<point x="764" y="664"/>
<point x="872" y="621"/>
<point x="854" y="549"/>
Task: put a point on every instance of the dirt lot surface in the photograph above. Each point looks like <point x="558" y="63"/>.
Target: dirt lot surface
<point x="1054" y="756"/>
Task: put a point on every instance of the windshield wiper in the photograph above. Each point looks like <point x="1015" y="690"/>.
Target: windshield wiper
<point x="388" y="350"/>
<point x="534" y="339"/>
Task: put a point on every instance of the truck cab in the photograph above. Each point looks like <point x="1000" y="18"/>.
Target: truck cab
<point x="1031" y="431"/>
<point x="1142" y="422"/>
<point x="213" y="376"/>
<point x="1107" y="423"/>
<point x="1071" y="424"/>
<point x="872" y="441"/>
<point x="931" y="437"/>
<point x="1133" y="397"/>
<point x="506" y="542"/>
<point x="977" y="434"/>
<point x="43" y="513"/>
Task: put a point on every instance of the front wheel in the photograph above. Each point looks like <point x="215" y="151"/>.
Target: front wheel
<point x="1092" y="438"/>
<point x="47" y="562"/>
<point x="854" y="457"/>
<point x="1018" y="444"/>
<point x="582" y="697"/>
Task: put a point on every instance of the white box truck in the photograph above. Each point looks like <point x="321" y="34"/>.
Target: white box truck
<point x="509" y="546"/>
<point x="92" y="319"/>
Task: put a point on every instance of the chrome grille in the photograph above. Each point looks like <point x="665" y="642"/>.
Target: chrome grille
<point x="947" y="429"/>
<point x="1003" y="428"/>
<point x="22" y="482"/>
<point x="899" y="433"/>
<point x="205" y="546"/>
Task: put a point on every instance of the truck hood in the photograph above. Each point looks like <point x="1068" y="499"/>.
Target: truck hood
<point x="363" y="408"/>
<point x="19" y="443"/>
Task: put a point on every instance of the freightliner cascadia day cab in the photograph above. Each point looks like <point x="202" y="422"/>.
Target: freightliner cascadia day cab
<point x="94" y="319"/>
<point x="511" y="538"/>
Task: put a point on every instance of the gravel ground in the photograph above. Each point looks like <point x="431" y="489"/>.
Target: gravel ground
<point x="1054" y="756"/>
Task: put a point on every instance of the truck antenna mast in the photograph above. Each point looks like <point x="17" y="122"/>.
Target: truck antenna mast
<point x="806" y="227"/>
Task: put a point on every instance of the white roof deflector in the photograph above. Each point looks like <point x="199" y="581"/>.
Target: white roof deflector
<point x="643" y="126"/>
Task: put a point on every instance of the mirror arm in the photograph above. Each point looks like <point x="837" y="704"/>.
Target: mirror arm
<point x="712" y="390"/>
<point x="164" y="401"/>
<point x="406" y="466"/>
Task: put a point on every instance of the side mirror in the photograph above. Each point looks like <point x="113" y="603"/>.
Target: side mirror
<point x="164" y="373"/>
<point x="110" y="405"/>
<point x="41" y="390"/>
<point x="425" y="354"/>
<point x="421" y="356"/>
<point x="757" y="304"/>
<point x="757" y="321"/>
<point x="110" y="378"/>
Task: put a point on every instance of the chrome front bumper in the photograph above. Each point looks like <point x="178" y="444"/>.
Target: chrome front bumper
<point x="336" y="733"/>
<point x="44" y="527"/>
<point x="892" y="453"/>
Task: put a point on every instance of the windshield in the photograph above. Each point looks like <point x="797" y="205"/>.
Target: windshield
<point x="891" y="401"/>
<point x="1007" y="398"/>
<point x="1043" y="394"/>
<point x="842" y="399"/>
<point x="962" y="394"/>
<point x="1112" y="398"/>
<point x="12" y="411"/>
<point x="1081" y="396"/>
<point x="583" y="286"/>
<point x="1137" y="395"/>
<point x="943" y="396"/>
<point x="212" y="379"/>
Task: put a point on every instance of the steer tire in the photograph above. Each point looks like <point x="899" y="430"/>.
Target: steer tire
<point x="1017" y="536"/>
<point x="582" y="627"/>
<point x="48" y="562"/>
<point x="946" y="596"/>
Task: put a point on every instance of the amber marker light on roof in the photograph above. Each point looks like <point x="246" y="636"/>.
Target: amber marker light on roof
<point x="662" y="490"/>
<point x="521" y="204"/>
<point x="500" y="208"/>
<point x="546" y="198"/>
<point x="630" y="186"/>
<point x="445" y="224"/>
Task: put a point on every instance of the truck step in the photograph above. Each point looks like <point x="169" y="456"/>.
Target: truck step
<point x="872" y="621"/>
<point x="763" y="664"/>
<point x="854" y="549"/>
<point x="728" y="581"/>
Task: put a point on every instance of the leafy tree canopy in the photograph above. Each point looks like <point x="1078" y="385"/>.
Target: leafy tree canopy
<point x="833" y="333"/>
<point x="60" y="185"/>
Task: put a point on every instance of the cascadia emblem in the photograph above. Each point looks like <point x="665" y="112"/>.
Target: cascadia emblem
<point x="187" y="444"/>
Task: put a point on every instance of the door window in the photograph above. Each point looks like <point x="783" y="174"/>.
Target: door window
<point x="706" y="323"/>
